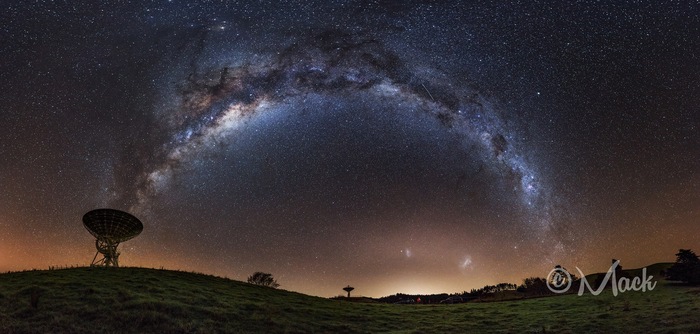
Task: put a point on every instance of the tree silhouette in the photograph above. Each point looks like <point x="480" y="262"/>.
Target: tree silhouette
<point x="264" y="279"/>
<point x="686" y="269"/>
<point x="534" y="286"/>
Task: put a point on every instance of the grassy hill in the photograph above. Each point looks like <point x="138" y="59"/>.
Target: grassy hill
<point x="117" y="300"/>
<point x="655" y="269"/>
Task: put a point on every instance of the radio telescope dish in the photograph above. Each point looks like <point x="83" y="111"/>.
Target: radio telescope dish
<point x="110" y="227"/>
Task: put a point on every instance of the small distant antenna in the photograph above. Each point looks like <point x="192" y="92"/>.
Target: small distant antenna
<point x="110" y="227"/>
<point x="348" y="289"/>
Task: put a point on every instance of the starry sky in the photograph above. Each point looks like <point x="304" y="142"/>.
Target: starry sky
<point x="416" y="147"/>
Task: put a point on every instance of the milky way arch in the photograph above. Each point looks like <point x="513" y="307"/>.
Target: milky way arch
<point x="214" y="105"/>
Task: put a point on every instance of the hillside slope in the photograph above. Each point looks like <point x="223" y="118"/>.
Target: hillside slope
<point x="656" y="270"/>
<point x="109" y="300"/>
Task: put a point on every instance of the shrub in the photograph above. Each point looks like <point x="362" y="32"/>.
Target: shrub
<point x="264" y="279"/>
<point x="686" y="268"/>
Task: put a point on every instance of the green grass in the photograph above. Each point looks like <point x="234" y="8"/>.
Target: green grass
<point x="118" y="300"/>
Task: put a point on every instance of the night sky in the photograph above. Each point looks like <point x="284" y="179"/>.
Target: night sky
<point x="415" y="147"/>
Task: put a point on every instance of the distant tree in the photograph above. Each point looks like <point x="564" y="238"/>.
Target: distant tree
<point x="686" y="269"/>
<point x="534" y="286"/>
<point x="264" y="279"/>
<point x="500" y="287"/>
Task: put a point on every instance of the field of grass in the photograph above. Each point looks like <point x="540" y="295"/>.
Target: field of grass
<point x="118" y="300"/>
